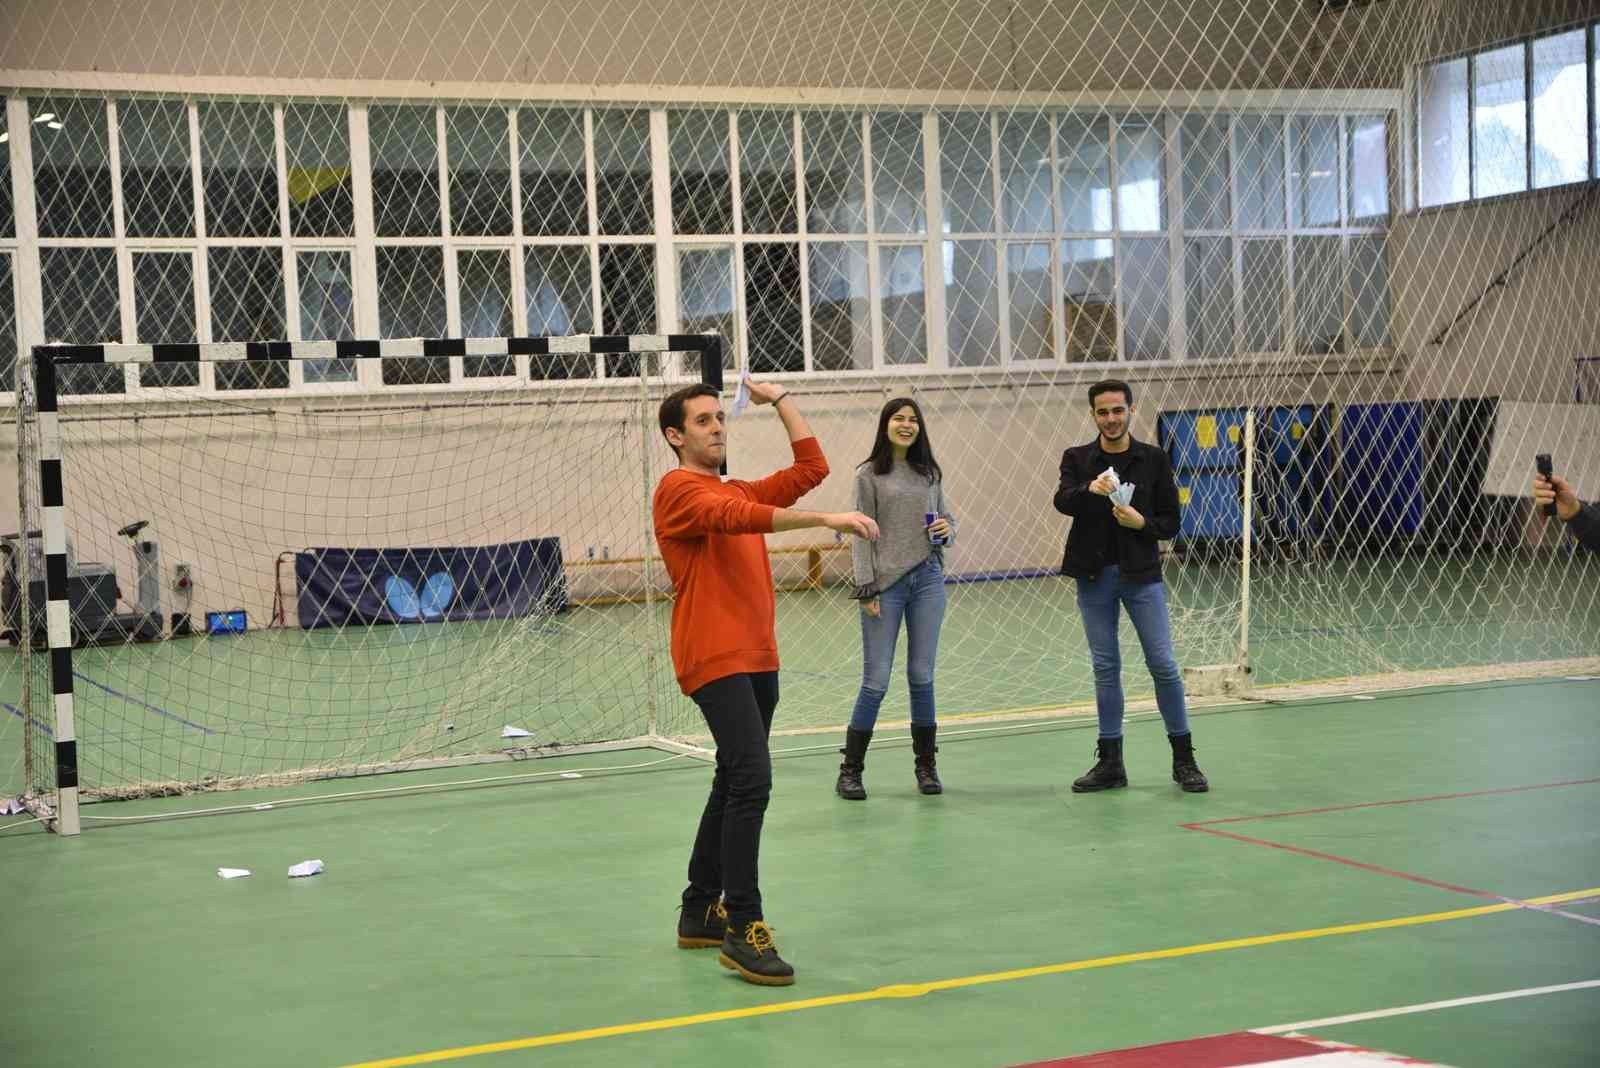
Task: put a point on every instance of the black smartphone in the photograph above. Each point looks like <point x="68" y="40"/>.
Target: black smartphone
<point x="1542" y="464"/>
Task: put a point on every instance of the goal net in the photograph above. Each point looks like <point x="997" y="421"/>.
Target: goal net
<point x="1342" y="251"/>
<point x="242" y="594"/>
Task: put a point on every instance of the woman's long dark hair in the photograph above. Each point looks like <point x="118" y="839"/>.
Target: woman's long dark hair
<point x="919" y="455"/>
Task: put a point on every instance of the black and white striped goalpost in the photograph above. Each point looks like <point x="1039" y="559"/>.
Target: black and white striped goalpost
<point x="46" y="358"/>
<point x="58" y="612"/>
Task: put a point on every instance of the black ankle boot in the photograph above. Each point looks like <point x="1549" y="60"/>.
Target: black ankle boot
<point x="1107" y="772"/>
<point x="1185" y="772"/>
<point x="850" y="786"/>
<point x="926" y="767"/>
<point x="702" y="924"/>
<point x="749" y="950"/>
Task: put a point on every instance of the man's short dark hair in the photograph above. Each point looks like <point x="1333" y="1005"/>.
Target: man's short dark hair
<point x="1111" y="385"/>
<point x="671" y="414"/>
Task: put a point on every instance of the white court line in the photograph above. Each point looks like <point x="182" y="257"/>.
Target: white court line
<point x="1403" y="1010"/>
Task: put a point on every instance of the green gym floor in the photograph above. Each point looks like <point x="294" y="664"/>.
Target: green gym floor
<point x="1354" y="856"/>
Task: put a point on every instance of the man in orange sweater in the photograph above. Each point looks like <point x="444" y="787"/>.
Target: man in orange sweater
<point x="725" y="652"/>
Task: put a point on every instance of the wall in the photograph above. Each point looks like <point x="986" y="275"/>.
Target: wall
<point x="969" y="45"/>
<point x="973" y="46"/>
<point x="1521" y="340"/>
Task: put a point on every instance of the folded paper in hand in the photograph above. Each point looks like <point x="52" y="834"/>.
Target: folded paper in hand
<point x="1121" y="492"/>
<point x="741" y="396"/>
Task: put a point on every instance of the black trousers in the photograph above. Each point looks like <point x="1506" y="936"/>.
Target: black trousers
<point x="727" y="847"/>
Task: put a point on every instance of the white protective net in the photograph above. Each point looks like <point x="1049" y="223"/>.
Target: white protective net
<point x="1370" y="227"/>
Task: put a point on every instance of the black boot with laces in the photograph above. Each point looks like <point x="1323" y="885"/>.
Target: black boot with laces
<point x="702" y="924"/>
<point x="850" y="787"/>
<point x="927" y="769"/>
<point x="749" y="950"/>
<point x="1107" y="772"/>
<point x="1185" y="772"/>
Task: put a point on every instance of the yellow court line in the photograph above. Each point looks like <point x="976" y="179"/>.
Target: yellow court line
<point x="912" y="990"/>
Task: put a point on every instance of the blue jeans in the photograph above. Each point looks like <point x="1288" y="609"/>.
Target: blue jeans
<point x="1146" y="603"/>
<point x="918" y="598"/>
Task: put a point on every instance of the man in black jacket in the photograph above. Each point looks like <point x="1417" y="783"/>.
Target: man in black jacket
<point x="1113" y="555"/>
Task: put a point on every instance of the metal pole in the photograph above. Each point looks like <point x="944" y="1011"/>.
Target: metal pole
<point x="1249" y="517"/>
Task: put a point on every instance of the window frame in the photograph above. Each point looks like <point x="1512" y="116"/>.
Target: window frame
<point x="668" y="246"/>
<point x="1415" y="150"/>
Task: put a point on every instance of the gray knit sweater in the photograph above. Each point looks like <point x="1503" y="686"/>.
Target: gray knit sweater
<point x="898" y="501"/>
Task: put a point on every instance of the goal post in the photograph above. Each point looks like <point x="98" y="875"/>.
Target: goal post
<point x="487" y="610"/>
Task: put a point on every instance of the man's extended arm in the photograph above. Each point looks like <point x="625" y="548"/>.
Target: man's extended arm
<point x="687" y="508"/>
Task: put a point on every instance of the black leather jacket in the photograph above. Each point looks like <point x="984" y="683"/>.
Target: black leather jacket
<point x="1096" y="539"/>
<point x="1585" y="526"/>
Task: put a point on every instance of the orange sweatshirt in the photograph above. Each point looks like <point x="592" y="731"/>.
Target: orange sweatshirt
<point x="710" y="534"/>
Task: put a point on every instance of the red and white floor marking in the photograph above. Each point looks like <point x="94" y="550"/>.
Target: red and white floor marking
<point x="1285" y="1044"/>
<point x="1240" y="1048"/>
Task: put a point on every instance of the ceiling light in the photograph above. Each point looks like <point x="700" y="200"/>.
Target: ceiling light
<point x="53" y="125"/>
<point x="4" y="137"/>
<point x="45" y="117"/>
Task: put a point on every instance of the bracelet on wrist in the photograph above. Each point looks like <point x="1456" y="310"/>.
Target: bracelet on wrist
<point x="779" y="397"/>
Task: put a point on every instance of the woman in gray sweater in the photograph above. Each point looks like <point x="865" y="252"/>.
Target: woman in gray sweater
<point x="899" y="577"/>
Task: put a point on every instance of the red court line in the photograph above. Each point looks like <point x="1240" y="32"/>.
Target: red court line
<point x="1400" y="801"/>
<point x="1215" y="1051"/>
<point x="1208" y="827"/>
<point x="1349" y="862"/>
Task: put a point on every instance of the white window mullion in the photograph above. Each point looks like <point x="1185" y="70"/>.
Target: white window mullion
<point x="1527" y="114"/>
<point x="128" y="321"/>
<point x="596" y="306"/>
<point x="1002" y="273"/>
<point x="452" y="288"/>
<point x="1341" y="172"/>
<point x="936" y="325"/>
<point x="667" y="319"/>
<point x="1410" y="132"/>
<point x="1589" y="116"/>
<point x="26" y="268"/>
<point x="519" y="275"/>
<point x="364" y="260"/>
<point x="735" y="179"/>
<point x="1114" y="169"/>
<point x="1472" y="131"/>
<point x="1058" y="264"/>
<point x="741" y="346"/>
<point x="291" y="267"/>
<point x="874" y="279"/>
<point x="1235" y="238"/>
<point x="1289" y="304"/>
<point x="802" y="235"/>
<point x="1177" y="317"/>
<point x="202" y="255"/>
